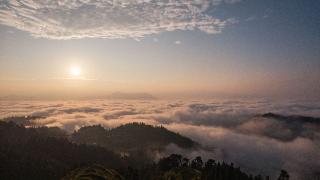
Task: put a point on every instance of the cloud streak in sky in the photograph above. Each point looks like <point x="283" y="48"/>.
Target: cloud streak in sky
<point x="73" y="19"/>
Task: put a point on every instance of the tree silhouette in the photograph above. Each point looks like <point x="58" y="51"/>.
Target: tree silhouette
<point x="197" y="163"/>
<point x="283" y="175"/>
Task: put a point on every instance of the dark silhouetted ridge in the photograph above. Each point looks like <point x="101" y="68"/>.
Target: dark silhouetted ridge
<point x="292" y="118"/>
<point x="131" y="136"/>
<point x="31" y="153"/>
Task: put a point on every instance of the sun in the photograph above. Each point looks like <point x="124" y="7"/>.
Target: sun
<point x="75" y="71"/>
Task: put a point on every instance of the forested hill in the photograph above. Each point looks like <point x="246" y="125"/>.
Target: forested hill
<point x="33" y="153"/>
<point x="174" y="167"/>
<point x="47" y="153"/>
<point x="132" y="136"/>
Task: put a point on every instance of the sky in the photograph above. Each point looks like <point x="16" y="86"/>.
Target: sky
<point x="175" y="48"/>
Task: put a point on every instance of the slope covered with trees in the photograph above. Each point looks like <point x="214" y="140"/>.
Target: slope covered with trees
<point x="47" y="153"/>
<point x="26" y="152"/>
<point x="131" y="137"/>
<point x="174" y="167"/>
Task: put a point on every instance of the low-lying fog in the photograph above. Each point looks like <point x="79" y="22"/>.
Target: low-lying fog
<point x="237" y="131"/>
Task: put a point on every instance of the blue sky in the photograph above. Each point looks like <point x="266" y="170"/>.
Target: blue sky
<point x="205" y="47"/>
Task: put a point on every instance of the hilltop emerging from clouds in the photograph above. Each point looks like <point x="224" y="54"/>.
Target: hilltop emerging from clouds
<point x="219" y="126"/>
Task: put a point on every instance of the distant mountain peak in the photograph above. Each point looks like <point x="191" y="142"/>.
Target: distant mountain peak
<point x="292" y="118"/>
<point x="272" y="115"/>
<point x="133" y="96"/>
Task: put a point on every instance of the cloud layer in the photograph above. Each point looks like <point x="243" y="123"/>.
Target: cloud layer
<point x="68" y="19"/>
<point x="235" y="130"/>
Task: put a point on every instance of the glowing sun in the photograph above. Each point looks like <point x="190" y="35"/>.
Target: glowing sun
<point x="75" y="71"/>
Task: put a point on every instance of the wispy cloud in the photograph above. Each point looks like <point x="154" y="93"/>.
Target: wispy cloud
<point x="74" y="78"/>
<point x="177" y="42"/>
<point x="50" y="78"/>
<point x="69" y="19"/>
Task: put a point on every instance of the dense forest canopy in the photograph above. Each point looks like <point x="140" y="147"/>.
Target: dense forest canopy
<point x="50" y="153"/>
<point x="131" y="136"/>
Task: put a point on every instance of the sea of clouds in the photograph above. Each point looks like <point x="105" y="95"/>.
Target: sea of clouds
<point x="234" y="130"/>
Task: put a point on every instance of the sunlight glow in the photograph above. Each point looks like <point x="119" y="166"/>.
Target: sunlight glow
<point x="75" y="71"/>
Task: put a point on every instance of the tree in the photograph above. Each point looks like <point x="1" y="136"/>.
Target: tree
<point x="185" y="162"/>
<point x="209" y="164"/>
<point x="283" y="175"/>
<point x="197" y="163"/>
<point x="173" y="161"/>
